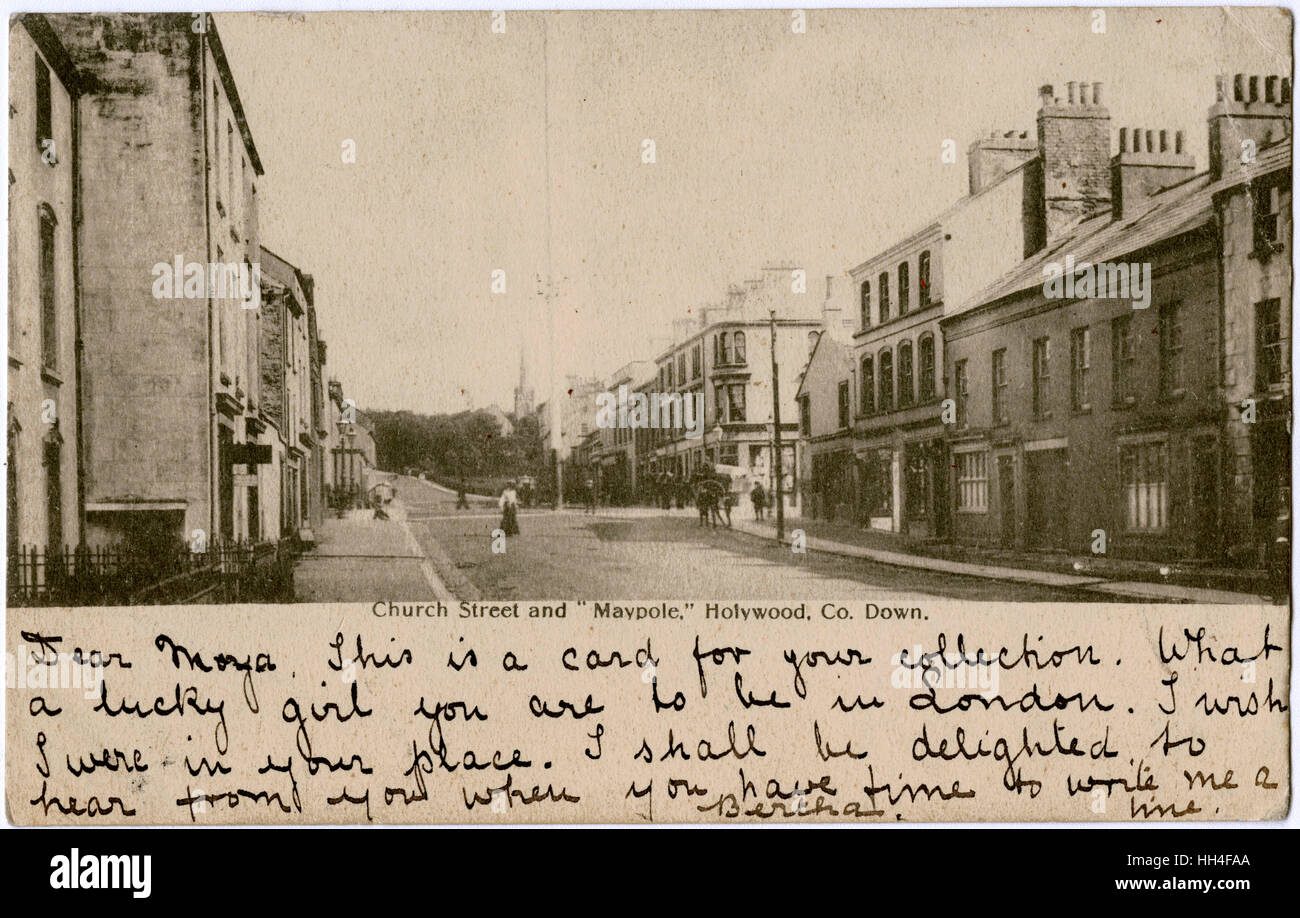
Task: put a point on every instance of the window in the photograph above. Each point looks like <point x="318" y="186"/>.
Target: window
<point x="864" y="305"/>
<point x="805" y="419"/>
<point x="1080" y="361"/>
<point x="49" y="313"/>
<point x="717" y="350"/>
<point x="868" y="385"/>
<point x="681" y="368"/>
<point x="886" y="386"/>
<point x="54" y="491"/>
<point x="44" y="105"/>
<point x="1042" y="376"/>
<point x="719" y="403"/>
<point x="999" y="381"/>
<point x="1121" y="359"/>
<point x="1144" y="470"/>
<point x="926" y="348"/>
<point x="1268" y="344"/>
<point x="697" y="361"/>
<point x="884" y="297"/>
<point x="1267" y="206"/>
<point x="961" y="389"/>
<point x="739" y="346"/>
<point x="230" y="166"/>
<point x="844" y="404"/>
<point x="904" y="283"/>
<point x="736" y="401"/>
<point x="724" y="348"/>
<point x="923" y="278"/>
<point x="972" y="482"/>
<point x="1171" y="348"/>
<point x="905" y="389"/>
<point x="668" y="376"/>
<point x="216" y="144"/>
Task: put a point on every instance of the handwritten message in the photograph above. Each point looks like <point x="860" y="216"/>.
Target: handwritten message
<point x="618" y="712"/>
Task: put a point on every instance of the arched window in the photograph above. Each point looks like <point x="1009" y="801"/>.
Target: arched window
<point x="904" y="287"/>
<point x="738" y="344"/>
<point x="886" y="385"/>
<point x="923" y="276"/>
<point x="927" y="370"/>
<point x="905" y="374"/>
<point x="868" y="385"/>
<point x="725" y="348"/>
<point x="883" y="282"/>
<point x="865" y="305"/>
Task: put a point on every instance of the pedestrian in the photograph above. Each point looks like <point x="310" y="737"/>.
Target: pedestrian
<point x="706" y="500"/>
<point x="509" y="503"/>
<point x="590" y="496"/>
<point x="727" y="501"/>
<point x="461" y="502"/>
<point x="759" y="498"/>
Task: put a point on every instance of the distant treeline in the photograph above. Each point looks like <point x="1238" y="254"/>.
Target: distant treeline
<point x="470" y="444"/>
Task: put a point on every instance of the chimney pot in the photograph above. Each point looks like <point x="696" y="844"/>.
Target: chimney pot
<point x="1151" y="141"/>
<point x="1220" y="88"/>
<point x="1178" y="142"/>
<point x="1096" y="93"/>
<point x="1046" y="94"/>
<point x="1083" y="93"/>
<point x="1286" y="90"/>
<point x="1270" y="89"/>
<point x="1254" y="89"/>
<point x="1237" y="88"/>
<point x="1164" y="141"/>
<point x="1137" y="141"/>
<point x="1123" y="140"/>
<point x="1069" y="90"/>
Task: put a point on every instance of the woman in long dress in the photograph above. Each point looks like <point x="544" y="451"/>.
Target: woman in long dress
<point x="509" y="510"/>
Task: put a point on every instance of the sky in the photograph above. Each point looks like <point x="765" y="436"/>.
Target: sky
<point x="817" y="149"/>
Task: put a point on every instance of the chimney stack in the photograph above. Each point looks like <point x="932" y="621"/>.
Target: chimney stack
<point x="1074" y="153"/>
<point x="991" y="157"/>
<point x="1241" y="114"/>
<point x="1144" y="165"/>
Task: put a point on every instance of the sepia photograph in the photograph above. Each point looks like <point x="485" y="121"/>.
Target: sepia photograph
<point x="659" y="416"/>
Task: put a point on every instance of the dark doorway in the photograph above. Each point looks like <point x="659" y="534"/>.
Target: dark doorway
<point x="1007" y="500"/>
<point x="1204" y="509"/>
<point x="1045" y="479"/>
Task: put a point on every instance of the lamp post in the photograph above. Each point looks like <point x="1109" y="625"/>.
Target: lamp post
<point x="776" y="432"/>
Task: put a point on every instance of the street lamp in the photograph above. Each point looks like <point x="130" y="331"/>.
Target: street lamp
<point x="776" y="430"/>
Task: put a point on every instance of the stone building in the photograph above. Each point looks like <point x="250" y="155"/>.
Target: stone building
<point x="168" y="179"/>
<point x="288" y="401"/>
<point x="899" y="458"/>
<point x="1250" y="161"/>
<point x="724" y="354"/>
<point x="825" y="400"/>
<point x="45" y="394"/>
<point x="1093" y="384"/>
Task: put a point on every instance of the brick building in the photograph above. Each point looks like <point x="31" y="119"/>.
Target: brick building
<point x="1097" y="413"/>
<point x="168" y="176"/>
<point x="44" y="383"/>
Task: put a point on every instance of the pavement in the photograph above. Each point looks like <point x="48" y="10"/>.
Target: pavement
<point x="1087" y="577"/>
<point x="362" y="559"/>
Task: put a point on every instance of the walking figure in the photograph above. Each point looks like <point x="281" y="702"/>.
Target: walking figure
<point x="707" y="494"/>
<point x="461" y="502"/>
<point x="759" y="498"/>
<point x="509" y="503"/>
<point x="590" y="495"/>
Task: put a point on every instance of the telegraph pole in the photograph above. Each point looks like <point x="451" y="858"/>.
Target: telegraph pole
<point x="776" y="431"/>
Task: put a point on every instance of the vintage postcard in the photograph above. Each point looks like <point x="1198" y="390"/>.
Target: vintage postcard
<point x="667" y="416"/>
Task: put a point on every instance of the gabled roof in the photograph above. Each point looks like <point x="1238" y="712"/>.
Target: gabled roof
<point x="1167" y="214"/>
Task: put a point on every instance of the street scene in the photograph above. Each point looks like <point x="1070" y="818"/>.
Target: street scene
<point x="896" y="353"/>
